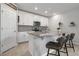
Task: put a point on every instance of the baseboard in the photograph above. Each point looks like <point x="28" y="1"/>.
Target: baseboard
<point x="45" y="54"/>
<point x="23" y="42"/>
<point x="8" y="49"/>
<point x="76" y="43"/>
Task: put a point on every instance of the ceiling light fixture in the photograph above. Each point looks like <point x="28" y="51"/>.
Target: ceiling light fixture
<point x="36" y="8"/>
<point x="46" y="11"/>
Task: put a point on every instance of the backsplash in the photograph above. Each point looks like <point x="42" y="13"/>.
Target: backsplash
<point x="22" y="28"/>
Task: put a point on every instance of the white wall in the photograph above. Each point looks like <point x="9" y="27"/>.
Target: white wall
<point x="28" y="18"/>
<point x="53" y="23"/>
<point x="69" y="17"/>
<point x="66" y="18"/>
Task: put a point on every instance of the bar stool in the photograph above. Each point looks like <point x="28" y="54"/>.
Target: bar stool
<point x="66" y="40"/>
<point x="71" y="41"/>
<point x="56" y="46"/>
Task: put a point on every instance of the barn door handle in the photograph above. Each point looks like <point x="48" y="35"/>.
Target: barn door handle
<point x="1" y="28"/>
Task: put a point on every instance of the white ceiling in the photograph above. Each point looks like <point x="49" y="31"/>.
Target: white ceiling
<point x="50" y="7"/>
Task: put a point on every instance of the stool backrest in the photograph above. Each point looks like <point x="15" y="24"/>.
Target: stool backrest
<point x="72" y="36"/>
<point x="67" y="38"/>
<point x="60" y="41"/>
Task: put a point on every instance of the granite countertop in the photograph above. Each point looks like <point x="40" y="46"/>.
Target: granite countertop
<point x="40" y="34"/>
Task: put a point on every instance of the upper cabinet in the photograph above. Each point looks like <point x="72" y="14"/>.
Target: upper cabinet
<point x="28" y="19"/>
<point x="44" y="21"/>
<point x="25" y="18"/>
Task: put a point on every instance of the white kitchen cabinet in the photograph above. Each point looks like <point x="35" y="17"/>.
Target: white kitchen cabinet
<point x="8" y="27"/>
<point x="44" y="21"/>
<point x="22" y="37"/>
<point x="28" y="19"/>
<point x="25" y="18"/>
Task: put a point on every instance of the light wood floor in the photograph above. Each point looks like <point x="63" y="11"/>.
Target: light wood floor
<point x="20" y="50"/>
<point x="23" y="50"/>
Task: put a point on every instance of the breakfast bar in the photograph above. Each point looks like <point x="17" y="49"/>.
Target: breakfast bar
<point x="37" y="42"/>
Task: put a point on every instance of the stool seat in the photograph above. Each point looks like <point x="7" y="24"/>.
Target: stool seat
<point x="53" y="45"/>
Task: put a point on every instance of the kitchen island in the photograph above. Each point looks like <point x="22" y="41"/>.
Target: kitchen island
<point x="37" y="42"/>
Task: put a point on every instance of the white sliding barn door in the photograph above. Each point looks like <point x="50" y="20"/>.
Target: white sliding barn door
<point x="0" y="29"/>
<point x="8" y="27"/>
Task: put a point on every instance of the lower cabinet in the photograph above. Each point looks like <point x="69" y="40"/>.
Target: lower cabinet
<point x="22" y="37"/>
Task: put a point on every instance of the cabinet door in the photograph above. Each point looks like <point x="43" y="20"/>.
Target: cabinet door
<point x="22" y="36"/>
<point x="44" y="21"/>
<point x="25" y="18"/>
<point x="8" y="27"/>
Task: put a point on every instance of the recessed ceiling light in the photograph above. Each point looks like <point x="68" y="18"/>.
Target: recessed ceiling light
<point x="36" y="8"/>
<point x="46" y="11"/>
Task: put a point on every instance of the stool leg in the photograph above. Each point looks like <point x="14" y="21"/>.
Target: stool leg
<point x="58" y="52"/>
<point x="48" y="52"/>
<point x="66" y="49"/>
<point x="72" y="45"/>
<point x="69" y="43"/>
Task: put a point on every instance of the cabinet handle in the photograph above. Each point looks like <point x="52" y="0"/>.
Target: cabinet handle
<point x="14" y="31"/>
